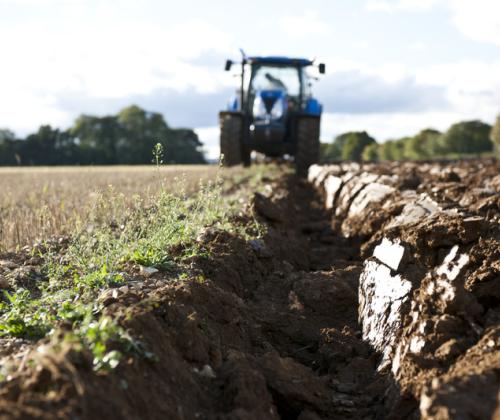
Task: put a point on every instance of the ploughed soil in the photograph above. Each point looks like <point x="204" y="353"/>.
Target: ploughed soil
<point x="261" y="328"/>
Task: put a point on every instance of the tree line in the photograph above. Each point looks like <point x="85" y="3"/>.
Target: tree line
<point x="126" y="138"/>
<point x="466" y="138"/>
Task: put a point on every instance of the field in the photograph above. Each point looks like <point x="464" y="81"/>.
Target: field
<point x="40" y="202"/>
<point x="362" y="292"/>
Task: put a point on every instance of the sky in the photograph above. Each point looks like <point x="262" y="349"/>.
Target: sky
<point x="394" y="67"/>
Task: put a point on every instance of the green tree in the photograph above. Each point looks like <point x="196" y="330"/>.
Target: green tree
<point x="129" y="137"/>
<point x="333" y="151"/>
<point x="424" y="145"/>
<point x="393" y="149"/>
<point x="385" y="150"/>
<point x="495" y="134"/>
<point x="185" y="146"/>
<point x="330" y="152"/>
<point x="7" y="146"/>
<point x="324" y="152"/>
<point x="125" y="138"/>
<point x="353" y="144"/>
<point x="97" y="138"/>
<point x="142" y="130"/>
<point x="6" y="135"/>
<point x="467" y="137"/>
<point x="371" y="153"/>
<point x="48" y="146"/>
<point x="339" y="143"/>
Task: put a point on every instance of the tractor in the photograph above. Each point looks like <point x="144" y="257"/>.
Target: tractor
<point x="273" y="113"/>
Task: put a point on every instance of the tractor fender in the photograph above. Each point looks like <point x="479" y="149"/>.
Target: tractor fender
<point x="313" y="107"/>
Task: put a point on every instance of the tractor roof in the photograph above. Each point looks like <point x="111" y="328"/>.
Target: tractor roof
<point x="280" y="60"/>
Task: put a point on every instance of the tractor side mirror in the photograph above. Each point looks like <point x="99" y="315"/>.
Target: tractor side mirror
<point x="228" y="65"/>
<point x="322" y="68"/>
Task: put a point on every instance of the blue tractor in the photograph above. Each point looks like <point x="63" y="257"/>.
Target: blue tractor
<point x="274" y="112"/>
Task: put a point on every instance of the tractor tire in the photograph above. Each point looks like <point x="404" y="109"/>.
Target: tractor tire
<point x="246" y="156"/>
<point x="307" y="144"/>
<point x="230" y="139"/>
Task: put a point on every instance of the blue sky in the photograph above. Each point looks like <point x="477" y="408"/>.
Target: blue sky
<point x="393" y="66"/>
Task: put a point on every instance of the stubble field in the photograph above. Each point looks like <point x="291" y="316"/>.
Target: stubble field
<point x="39" y="202"/>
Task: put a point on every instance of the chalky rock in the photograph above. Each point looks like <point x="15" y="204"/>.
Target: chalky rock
<point x="416" y="211"/>
<point x="332" y="187"/>
<point x="314" y="171"/>
<point x="350" y="190"/>
<point x="351" y="167"/>
<point x="147" y="271"/>
<point x="436" y="312"/>
<point x="329" y="170"/>
<point x="372" y="193"/>
<point x="391" y="253"/>
<point x="384" y="298"/>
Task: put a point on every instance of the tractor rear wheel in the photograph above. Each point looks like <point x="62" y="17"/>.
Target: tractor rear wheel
<point x="246" y="156"/>
<point x="230" y="138"/>
<point x="307" y="146"/>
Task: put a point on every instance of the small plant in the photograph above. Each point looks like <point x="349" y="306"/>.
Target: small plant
<point x="99" y="279"/>
<point x="99" y="335"/>
<point x="23" y="317"/>
<point x="158" y="154"/>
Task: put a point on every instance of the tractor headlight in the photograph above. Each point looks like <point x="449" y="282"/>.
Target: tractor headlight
<point x="277" y="109"/>
<point x="259" y="108"/>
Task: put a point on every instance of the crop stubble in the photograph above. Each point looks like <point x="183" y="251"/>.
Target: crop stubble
<point x="40" y="202"/>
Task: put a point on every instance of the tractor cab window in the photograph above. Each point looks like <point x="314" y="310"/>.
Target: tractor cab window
<point x="282" y="78"/>
<point x="307" y="84"/>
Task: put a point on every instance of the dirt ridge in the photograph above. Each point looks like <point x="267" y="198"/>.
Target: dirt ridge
<point x="429" y="286"/>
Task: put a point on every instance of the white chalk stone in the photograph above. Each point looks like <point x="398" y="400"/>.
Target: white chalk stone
<point x="428" y="204"/>
<point x="373" y="193"/>
<point x="390" y="253"/>
<point x="147" y="271"/>
<point x="325" y="173"/>
<point x="417" y="344"/>
<point x="452" y="266"/>
<point x="415" y="211"/>
<point x="381" y="297"/>
<point x="314" y="171"/>
<point x="351" y="188"/>
<point x="351" y="167"/>
<point x="332" y="186"/>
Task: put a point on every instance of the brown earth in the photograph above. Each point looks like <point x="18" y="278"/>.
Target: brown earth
<point x="268" y="328"/>
<point x="430" y="285"/>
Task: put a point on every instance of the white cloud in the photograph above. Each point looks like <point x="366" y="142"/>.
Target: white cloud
<point x="470" y="89"/>
<point x="379" y="6"/>
<point x="385" y="126"/>
<point x="418" y="46"/>
<point x="391" y="6"/>
<point x="24" y="112"/>
<point x="473" y="86"/>
<point x="46" y="62"/>
<point x="209" y="136"/>
<point x="478" y="20"/>
<point x="416" y="4"/>
<point x="303" y="26"/>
